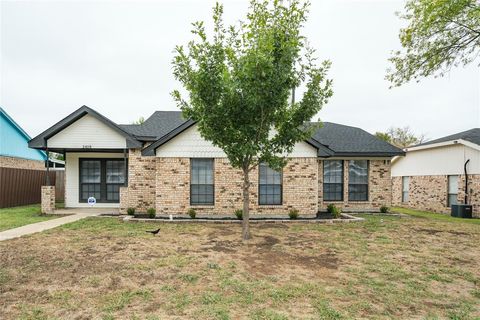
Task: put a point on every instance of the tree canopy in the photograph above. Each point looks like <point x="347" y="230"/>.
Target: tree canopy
<point x="440" y="34"/>
<point x="401" y="137"/>
<point x="239" y="84"/>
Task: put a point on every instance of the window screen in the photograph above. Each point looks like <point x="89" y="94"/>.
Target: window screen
<point x="452" y="190"/>
<point x="333" y="180"/>
<point x="269" y="186"/>
<point x="114" y="179"/>
<point x="358" y="180"/>
<point x="201" y="182"/>
<point x="90" y="179"/>
<point x="405" y="187"/>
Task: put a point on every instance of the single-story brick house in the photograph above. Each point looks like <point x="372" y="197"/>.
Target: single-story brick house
<point x="165" y="164"/>
<point x="431" y="176"/>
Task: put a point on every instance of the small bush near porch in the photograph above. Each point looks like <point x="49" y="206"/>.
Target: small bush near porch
<point x="385" y="267"/>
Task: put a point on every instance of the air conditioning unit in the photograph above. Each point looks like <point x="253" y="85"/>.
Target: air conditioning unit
<point x="462" y="211"/>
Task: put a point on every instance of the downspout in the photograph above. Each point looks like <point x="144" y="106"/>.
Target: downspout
<point x="48" y="164"/>
<point x="466" y="180"/>
<point x="125" y="168"/>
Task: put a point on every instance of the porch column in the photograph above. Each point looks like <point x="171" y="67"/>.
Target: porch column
<point x="48" y="165"/>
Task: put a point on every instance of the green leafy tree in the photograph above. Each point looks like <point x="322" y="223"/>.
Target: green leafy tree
<point x="401" y="137"/>
<point x="440" y="34"/>
<point x="140" y="120"/>
<point x="239" y="83"/>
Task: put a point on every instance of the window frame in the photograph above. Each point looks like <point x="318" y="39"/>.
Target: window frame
<point x="103" y="179"/>
<point x="342" y="197"/>
<point x="405" y="178"/>
<point x="210" y="204"/>
<point x="361" y="184"/>
<point x="265" y="184"/>
<point x="449" y="204"/>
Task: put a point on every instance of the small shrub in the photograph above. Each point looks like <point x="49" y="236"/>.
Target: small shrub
<point x="293" y="214"/>
<point x="151" y="213"/>
<point x="192" y="213"/>
<point x="331" y="208"/>
<point x="239" y="214"/>
<point x="131" y="211"/>
<point x="384" y="209"/>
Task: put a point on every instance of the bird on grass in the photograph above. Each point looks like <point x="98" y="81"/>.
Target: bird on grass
<point x="154" y="232"/>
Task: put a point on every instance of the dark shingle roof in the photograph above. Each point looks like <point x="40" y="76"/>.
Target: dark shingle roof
<point x="342" y="140"/>
<point x="472" y="135"/>
<point x="156" y="126"/>
<point x="352" y="141"/>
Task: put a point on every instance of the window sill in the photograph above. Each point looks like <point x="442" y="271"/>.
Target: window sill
<point x="271" y="205"/>
<point x="202" y="206"/>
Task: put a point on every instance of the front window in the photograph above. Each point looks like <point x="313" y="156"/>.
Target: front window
<point x="358" y="180"/>
<point x="269" y="186"/>
<point x="405" y="186"/>
<point x="114" y="179"/>
<point x="332" y="180"/>
<point x="452" y="190"/>
<point x="101" y="179"/>
<point x="201" y="182"/>
<point x="90" y="179"/>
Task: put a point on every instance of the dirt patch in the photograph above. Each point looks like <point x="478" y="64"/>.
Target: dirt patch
<point x="435" y="232"/>
<point x="206" y="271"/>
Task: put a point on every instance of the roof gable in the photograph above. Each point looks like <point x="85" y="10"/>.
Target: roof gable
<point x="330" y="139"/>
<point x="40" y="141"/>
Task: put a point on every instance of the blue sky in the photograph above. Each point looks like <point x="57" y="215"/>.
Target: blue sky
<point x="116" y="57"/>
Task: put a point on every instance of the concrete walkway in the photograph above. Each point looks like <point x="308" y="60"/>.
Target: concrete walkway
<point x="76" y="215"/>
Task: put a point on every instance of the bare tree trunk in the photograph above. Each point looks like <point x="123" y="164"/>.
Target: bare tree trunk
<point x="246" y="202"/>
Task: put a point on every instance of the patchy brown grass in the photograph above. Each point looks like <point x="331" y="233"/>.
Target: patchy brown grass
<point x="385" y="267"/>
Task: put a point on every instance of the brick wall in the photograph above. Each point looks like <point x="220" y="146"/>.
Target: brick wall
<point x="19" y="163"/>
<point x="173" y="187"/>
<point x="141" y="181"/>
<point x="379" y="188"/>
<point x="430" y="192"/>
<point x="164" y="183"/>
<point x="48" y="199"/>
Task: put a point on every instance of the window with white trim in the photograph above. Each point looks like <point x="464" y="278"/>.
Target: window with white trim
<point x="452" y="190"/>
<point x="405" y="188"/>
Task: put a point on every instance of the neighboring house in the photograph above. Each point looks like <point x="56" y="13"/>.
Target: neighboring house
<point x="165" y="164"/>
<point x="14" y="150"/>
<point x="22" y="170"/>
<point x="432" y="175"/>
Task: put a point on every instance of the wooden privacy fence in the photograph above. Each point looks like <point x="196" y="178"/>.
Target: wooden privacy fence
<point x="22" y="186"/>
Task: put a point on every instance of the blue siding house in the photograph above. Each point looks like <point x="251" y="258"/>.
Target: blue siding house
<point x="14" y="140"/>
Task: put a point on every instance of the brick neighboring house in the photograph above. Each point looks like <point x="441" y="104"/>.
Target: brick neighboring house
<point x="432" y="175"/>
<point x="165" y="164"/>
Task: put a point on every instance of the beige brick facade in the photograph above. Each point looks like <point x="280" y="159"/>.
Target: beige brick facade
<point x="48" y="199"/>
<point x="173" y="187"/>
<point x="430" y="193"/>
<point x="164" y="183"/>
<point x="141" y="181"/>
<point x="20" y="163"/>
<point x="379" y="188"/>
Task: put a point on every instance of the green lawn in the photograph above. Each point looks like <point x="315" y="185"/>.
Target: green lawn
<point x="434" y="216"/>
<point x="19" y="216"/>
<point x="388" y="267"/>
